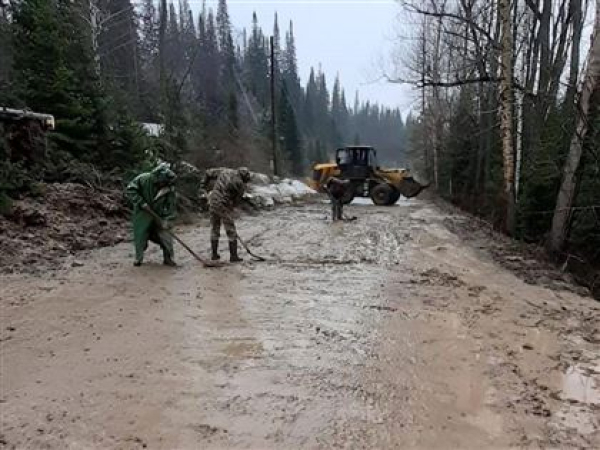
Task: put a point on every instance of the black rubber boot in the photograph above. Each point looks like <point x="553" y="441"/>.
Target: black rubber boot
<point x="214" y="245"/>
<point x="233" y="252"/>
<point x="137" y="263"/>
<point x="168" y="261"/>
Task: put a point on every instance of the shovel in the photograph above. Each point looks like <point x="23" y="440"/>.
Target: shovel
<point x="258" y="258"/>
<point x="204" y="262"/>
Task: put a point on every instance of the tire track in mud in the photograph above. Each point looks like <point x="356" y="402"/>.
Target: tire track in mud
<point x="385" y="332"/>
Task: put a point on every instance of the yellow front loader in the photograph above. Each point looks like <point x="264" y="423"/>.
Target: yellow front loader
<point x="359" y="165"/>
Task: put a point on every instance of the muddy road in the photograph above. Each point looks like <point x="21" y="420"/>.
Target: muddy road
<point x="388" y="332"/>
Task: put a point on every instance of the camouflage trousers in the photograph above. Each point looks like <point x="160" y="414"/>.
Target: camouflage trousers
<point x="337" y="208"/>
<point x="220" y="216"/>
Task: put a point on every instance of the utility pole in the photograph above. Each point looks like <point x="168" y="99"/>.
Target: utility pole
<point x="273" y="120"/>
<point x="424" y="125"/>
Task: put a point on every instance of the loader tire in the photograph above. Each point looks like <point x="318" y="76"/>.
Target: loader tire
<point x="382" y="194"/>
<point x="394" y="198"/>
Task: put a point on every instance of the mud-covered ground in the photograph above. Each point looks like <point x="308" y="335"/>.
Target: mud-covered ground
<point x="64" y="219"/>
<point x="387" y="332"/>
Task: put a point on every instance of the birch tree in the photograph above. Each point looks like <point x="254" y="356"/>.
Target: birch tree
<point x="568" y="188"/>
<point x="506" y="111"/>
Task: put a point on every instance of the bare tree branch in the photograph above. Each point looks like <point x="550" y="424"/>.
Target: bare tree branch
<point x="447" y="84"/>
<point x="449" y="15"/>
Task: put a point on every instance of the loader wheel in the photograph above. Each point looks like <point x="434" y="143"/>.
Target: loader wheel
<point x="394" y="198"/>
<point x="382" y="194"/>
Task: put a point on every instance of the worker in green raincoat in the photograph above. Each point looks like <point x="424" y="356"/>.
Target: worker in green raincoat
<point x="153" y="192"/>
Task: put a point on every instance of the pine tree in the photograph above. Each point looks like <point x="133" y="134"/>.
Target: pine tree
<point x="54" y="73"/>
<point x="289" y="69"/>
<point x="189" y="31"/>
<point x="336" y="99"/>
<point x="277" y="51"/>
<point x="227" y="64"/>
<point x="183" y="8"/>
<point x="6" y="50"/>
<point x="310" y="104"/>
<point x="149" y="35"/>
<point x="173" y="29"/>
<point x="189" y="38"/>
<point x="344" y="118"/>
<point x="226" y="48"/>
<point x="211" y="87"/>
<point x="323" y="122"/>
<point x="256" y="64"/>
<point x="244" y="41"/>
<point x="174" y="49"/>
<point x="320" y="152"/>
<point x="337" y="113"/>
<point x="288" y="130"/>
<point x="119" y="51"/>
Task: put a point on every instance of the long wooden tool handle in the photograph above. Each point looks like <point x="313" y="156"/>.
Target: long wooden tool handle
<point x="260" y="258"/>
<point x="183" y="244"/>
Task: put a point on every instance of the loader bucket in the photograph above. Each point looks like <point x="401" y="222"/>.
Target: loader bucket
<point x="410" y="188"/>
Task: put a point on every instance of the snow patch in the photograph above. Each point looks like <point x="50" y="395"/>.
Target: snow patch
<point x="271" y="194"/>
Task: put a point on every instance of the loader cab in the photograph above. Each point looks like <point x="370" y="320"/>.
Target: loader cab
<point x="356" y="162"/>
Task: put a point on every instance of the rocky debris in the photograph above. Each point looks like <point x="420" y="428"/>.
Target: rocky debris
<point x="64" y="219"/>
<point x="435" y="277"/>
<point x="28" y="216"/>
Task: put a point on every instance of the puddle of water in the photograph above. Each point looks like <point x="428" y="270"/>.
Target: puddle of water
<point x="244" y="349"/>
<point x="580" y="392"/>
<point x="580" y="384"/>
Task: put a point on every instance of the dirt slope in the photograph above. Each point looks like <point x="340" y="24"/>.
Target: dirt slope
<point x="63" y="220"/>
<point x="388" y="332"/>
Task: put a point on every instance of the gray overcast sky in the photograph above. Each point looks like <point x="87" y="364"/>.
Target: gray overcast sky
<point x="346" y="36"/>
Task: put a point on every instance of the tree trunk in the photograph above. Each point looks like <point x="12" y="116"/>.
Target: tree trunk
<point x="576" y="11"/>
<point x="5" y="48"/>
<point x="506" y="112"/>
<point x="162" y="28"/>
<point x="437" y="105"/>
<point x="95" y="32"/>
<point x="566" y="194"/>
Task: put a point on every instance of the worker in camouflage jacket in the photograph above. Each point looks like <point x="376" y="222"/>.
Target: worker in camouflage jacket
<point x="211" y="176"/>
<point x="227" y="193"/>
<point x="153" y="192"/>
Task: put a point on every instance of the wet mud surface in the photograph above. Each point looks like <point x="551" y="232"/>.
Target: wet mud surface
<point x="392" y="331"/>
<point x="63" y="220"/>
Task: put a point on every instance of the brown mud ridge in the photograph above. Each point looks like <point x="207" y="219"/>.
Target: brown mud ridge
<point x="529" y="261"/>
<point x="63" y="220"/>
<point x="389" y="332"/>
